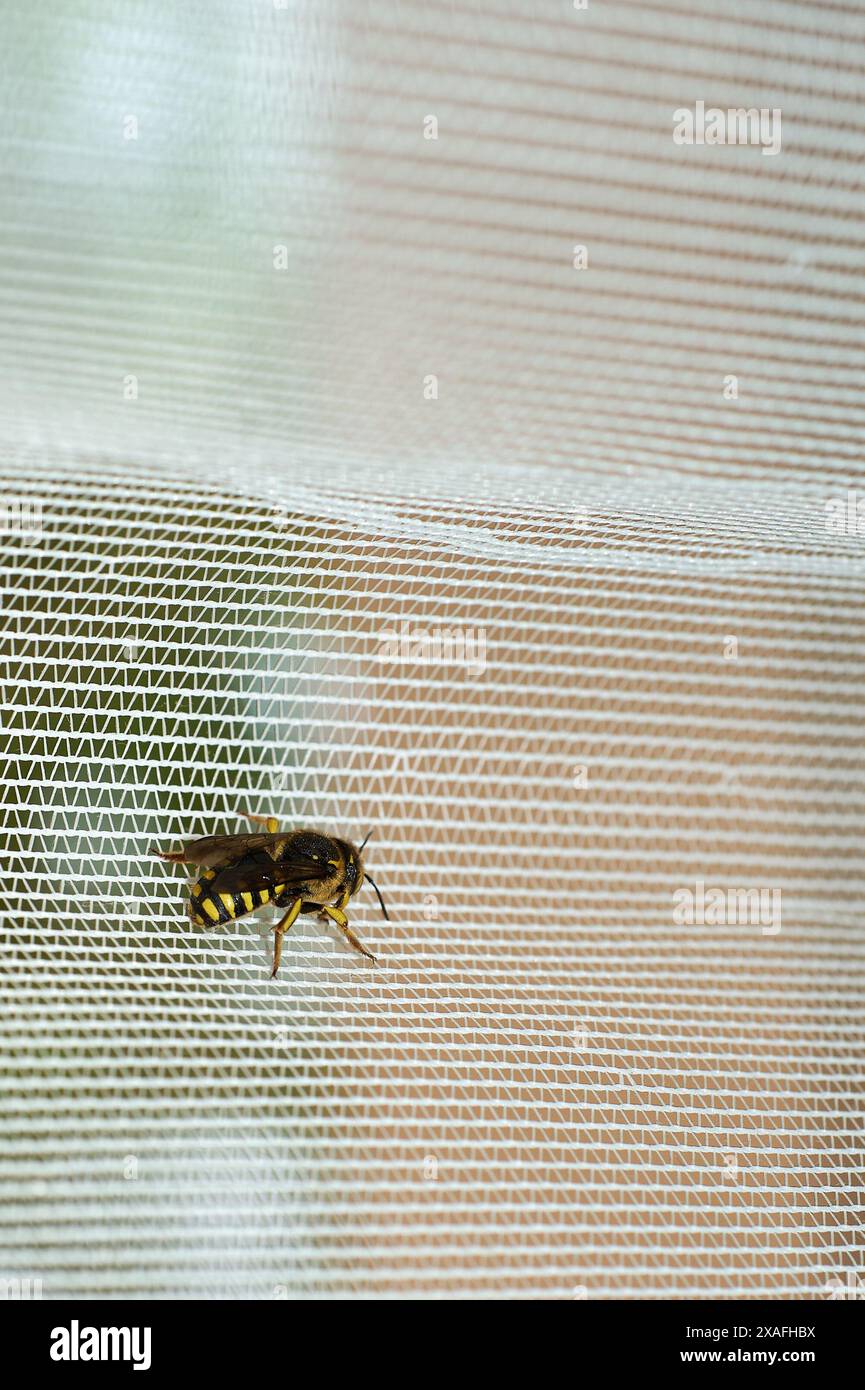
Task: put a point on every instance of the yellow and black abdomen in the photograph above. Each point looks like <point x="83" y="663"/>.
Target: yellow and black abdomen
<point x="208" y="908"/>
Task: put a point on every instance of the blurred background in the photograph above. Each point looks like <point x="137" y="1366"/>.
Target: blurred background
<point x="398" y="429"/>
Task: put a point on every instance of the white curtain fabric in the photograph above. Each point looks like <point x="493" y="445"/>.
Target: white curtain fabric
<point x="333" y="488"/>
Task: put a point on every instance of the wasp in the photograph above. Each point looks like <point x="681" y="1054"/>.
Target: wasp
<point x="299" y="870"/>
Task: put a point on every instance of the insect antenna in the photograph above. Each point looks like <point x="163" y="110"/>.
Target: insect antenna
<point x="368" y="833"/>
<point x="377" y="893"/>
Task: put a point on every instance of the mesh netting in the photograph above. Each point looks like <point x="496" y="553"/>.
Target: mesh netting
<point x="419" y="528"/>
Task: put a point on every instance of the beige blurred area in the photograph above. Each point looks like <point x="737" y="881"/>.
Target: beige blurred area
<point x="305" y="403"/>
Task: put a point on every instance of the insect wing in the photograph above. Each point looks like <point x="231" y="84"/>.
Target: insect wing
<point x="215" y="851"/>
<point x="259" y="870"/>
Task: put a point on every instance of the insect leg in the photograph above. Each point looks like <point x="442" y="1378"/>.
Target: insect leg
<point x="177" y="856"/>
<point x="270" y="823"/>
<point x="337" y="915"/>
<point x="281" y="928"/>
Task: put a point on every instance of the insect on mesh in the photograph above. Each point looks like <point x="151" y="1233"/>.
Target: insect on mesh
<point x="333" y="488"/>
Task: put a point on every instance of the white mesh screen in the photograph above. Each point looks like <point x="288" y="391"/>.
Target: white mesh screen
<point x="242" y="525"/>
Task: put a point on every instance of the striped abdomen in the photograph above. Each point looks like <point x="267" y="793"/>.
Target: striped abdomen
<point x="209" y="909"/>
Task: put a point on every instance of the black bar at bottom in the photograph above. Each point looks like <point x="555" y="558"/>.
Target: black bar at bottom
<point x="264" y="1339"/>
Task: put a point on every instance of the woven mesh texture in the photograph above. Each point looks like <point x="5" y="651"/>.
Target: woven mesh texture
<point x="567" y="626"/>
